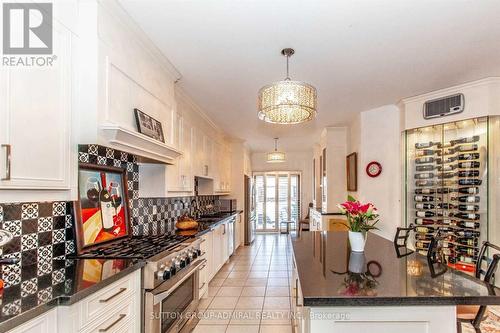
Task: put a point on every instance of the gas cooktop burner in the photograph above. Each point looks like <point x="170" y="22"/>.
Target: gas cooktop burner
<point x="136" y="247"/>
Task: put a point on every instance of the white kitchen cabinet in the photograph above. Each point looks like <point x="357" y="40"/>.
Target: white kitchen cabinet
<point x="238" y="229"/>
<point x="36" y="110"/>
<point x="209" y="157"/>
<point x="116" y="308"/>
<point x="179" y="175"/>
<point x="217" y="249"/>
<point x="206" y="247"/>
<point x="46" y="323"/>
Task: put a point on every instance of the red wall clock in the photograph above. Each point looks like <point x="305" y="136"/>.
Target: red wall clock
<point x="373" y="169"/>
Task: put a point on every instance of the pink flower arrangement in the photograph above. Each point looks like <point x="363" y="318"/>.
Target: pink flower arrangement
<point x="360" y="217"/>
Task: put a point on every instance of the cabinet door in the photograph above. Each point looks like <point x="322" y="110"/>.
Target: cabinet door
<point x="186" y="173"/>
<point x="207" y="154"/>
<point x="217" y="249"/>
<point x="35" y="120"/>
<point x="225" y="243"/>
<point x="46" y="323"/>
<point x="199" y="153"/>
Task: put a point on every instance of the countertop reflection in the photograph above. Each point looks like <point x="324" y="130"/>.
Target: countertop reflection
<point x="330" y="274"/>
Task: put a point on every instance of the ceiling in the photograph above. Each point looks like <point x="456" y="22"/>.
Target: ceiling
<point x="359" y="54"/>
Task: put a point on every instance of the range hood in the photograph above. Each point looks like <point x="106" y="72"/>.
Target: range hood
<point x="147" y="150"/>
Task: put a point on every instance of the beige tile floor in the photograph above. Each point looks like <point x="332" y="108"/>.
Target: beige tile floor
<point x="251" y="293"/>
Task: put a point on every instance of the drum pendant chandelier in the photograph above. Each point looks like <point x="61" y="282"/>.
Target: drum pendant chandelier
<point x="287" y="101"/>
<point x="276" y="156"/>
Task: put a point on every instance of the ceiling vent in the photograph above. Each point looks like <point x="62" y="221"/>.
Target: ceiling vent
<point x="444" y="106"/>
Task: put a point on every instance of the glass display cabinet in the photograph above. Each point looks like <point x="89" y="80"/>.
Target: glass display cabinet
<point x="447" y="187"/>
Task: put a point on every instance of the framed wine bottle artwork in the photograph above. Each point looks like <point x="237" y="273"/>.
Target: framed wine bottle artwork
<point x="102" y="212"/>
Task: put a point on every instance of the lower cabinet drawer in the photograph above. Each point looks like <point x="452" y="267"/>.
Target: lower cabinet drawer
<point x="102" y="302"/>
<point x="121" y="319"/>
<point x="203" y="281"/>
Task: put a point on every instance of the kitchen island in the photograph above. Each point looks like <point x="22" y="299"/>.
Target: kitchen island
<point x="336" y="290"/>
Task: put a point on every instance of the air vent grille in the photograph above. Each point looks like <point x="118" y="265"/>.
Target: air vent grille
<point x="444" y="106"/>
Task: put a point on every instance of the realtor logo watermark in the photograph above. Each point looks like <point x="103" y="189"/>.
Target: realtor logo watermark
<point x="27" y="34"/>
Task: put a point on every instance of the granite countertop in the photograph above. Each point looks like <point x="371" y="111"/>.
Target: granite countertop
<point x="68" y="283"/>
<point x="208" y="222"/>
<point x="331" y="275"/>
<point x="318" y="209"/>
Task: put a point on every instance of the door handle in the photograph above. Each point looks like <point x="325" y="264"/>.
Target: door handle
<point x="120" y="317"/>
<point x="112" y="296"/>
<point x="8" y="151"/>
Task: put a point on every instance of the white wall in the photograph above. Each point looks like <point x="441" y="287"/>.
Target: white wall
<point x="295" y="161"/>
<point x="376" y="136"/>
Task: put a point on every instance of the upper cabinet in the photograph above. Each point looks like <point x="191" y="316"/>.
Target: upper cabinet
<point x="36" y="112"/>
<point x="179" y="175"/>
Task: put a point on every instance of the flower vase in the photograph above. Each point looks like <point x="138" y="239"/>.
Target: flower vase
<point x="357" y="241"/>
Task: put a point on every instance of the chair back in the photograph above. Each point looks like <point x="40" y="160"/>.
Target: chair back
<point x="401" y="241"/>
<point x="308" y="211"/>
<point x="491" y="263"/>
<point x="489" y="273"/>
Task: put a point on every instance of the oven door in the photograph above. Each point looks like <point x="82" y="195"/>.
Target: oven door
<point x="171" y="305"/>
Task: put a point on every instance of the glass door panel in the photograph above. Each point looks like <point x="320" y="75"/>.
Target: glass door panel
<point x="260" y="201"/>
<point x="283" y="206"/>
<point x="295" y="199"/>
<point x="270" y="202"/>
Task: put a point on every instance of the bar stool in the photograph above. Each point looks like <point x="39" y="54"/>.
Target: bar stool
<point x="474" y="314"/>
<point x="287" y="223"/>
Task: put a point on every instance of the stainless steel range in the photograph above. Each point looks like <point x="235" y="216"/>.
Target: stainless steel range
<point x="170" y="277"/>
<point x="171" y="286"/>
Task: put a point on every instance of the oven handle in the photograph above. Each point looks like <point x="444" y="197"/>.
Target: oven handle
<point x="165" y="289"/>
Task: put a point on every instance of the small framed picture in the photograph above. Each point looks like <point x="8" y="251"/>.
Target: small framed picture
<point x="149" y="126"/>
<point x="352" y="171"/>
<point x="102" y="212"/>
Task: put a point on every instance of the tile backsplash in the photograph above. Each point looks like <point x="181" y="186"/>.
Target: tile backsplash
<point x="44" y="231"/>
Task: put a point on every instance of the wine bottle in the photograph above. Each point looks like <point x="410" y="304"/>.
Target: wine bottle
<point x="425" y="183"/>
<point x="425" y="152"/>
<point x="449" y="159"/>
<point x="448" y="167"/>
<point x="467" y="199"/>
<point x="444" y="190"/>
<point x="467" y="259"/>
<point x="424" y="206"/>
<point x="424" y="214"/>
<point x="468" y="224"/>
<point x="422" y="145"/>
<point x="425" y="167"/>
<point x="423" y="198"/>
<point x="467" y="241"/>
<point x="422" y="245"/>
<point x="424" y="160"/>
<point x="445" y="221"/>
<point x="468" y="216"/>
<point x="420" y="221"/>
<point x="471" y="139"/>
<point x="425" y="191"/>
<point x="107" y="210"/>
<point x="424" y="230"/>
<point x="464" y="148"/>
<point x="467" y="233"/>
<point x="468" y="173"/>
<point x="468" y="190"/>
<point x="423" y="237"/>
<point x="444" y="152"/>
<point x="468" y="156"/>
<point x="425" y="175"/>
<point x="470" y="164"/>
<point x="445" y="213"/>
<point x="445" y="205"/>
<point x="467" y="251"/>
<point x="469" y="181"/>
<point x="447" y="175"/>
<point x="468" y="208"/>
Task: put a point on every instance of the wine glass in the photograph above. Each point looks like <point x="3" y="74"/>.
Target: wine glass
<point x="93" y="189"/>
<point x="116" y="199"/>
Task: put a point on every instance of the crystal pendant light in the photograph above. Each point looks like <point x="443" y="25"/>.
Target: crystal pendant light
<point x="287" y="101"/>
<point x="275" y="156"/>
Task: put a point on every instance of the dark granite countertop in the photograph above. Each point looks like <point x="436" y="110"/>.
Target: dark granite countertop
<point x="318" y="209"/>
<point x="208" y="222"/>
<point x="68" y="283"/>
<point x="331" y="275"/>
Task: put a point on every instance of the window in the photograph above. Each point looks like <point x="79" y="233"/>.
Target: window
<point x="277" y="198"/>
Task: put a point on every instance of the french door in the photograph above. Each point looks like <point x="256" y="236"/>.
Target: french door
<point x="277" y="199"/>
